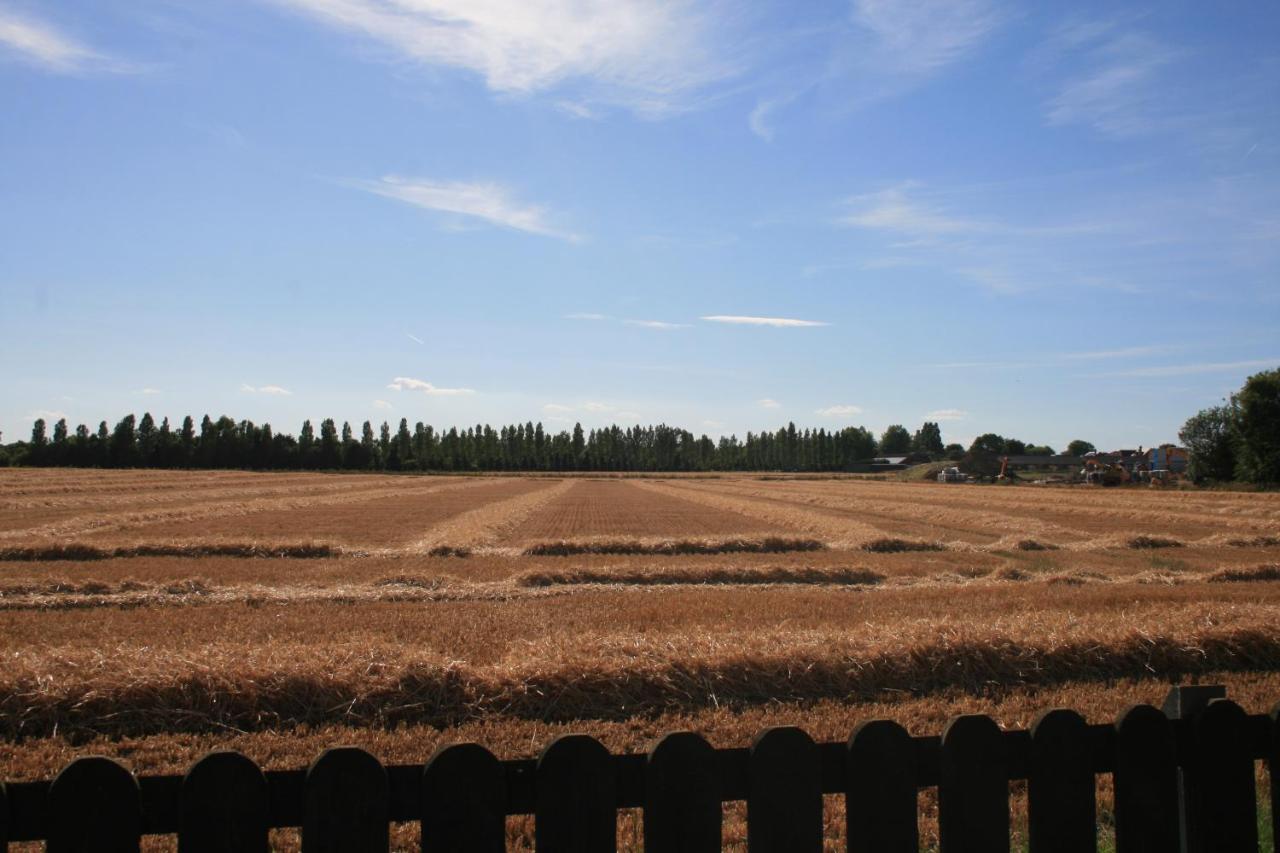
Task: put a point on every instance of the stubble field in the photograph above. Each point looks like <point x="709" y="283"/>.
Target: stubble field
<point x="156" y="615"/>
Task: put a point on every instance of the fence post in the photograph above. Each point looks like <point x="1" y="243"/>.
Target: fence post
<point x="94" y="805"/>
<point x="973" y="787"/>
<point x="576" y="801"/>
<point x="1228" y="802"/>
<point x="1273" y="768"/>
<point x="682" y="811"/>
<point x="4" y="820"/>
<point x="1188" y="702"/>
<point x="464" y="798"/>
<point x="346" y="803"/>
<point x="784" y="799"/>
<point x="224" y="804"/>
<point x="880" y="790"/>
<point x="1146" y="783"/>
<point x="1061" y="793"/>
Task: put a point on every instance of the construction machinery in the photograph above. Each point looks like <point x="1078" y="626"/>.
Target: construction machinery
<point x="951" y="475"/>
<point x="1103" y="472"/>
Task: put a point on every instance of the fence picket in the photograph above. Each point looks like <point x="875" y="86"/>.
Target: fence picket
<point x="1273" y="770"/>
<point x="464" y="795"/>
<point x="94" y="805"/>
<point x="1228" y="796"/>
<point x="224" y="806"/>
<point x="576" y="799"/>
<point x="973" y="787"/>
<point x="1146" y="789"/>
<point x="880" y="790"/>
<point x="346" y="804"/>
<point x="1061" y="794"/>
<point x="784" y="802"/>
<point x="682" y="811"/>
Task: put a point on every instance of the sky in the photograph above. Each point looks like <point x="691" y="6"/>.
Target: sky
<point x="1050" y="221"/>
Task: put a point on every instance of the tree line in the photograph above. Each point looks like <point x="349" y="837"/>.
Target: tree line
<point x="227" y="443"/>
<point x="1240" y="439"/>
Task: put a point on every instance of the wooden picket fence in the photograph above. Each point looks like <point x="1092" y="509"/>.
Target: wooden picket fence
<point x="1184" y="780"/>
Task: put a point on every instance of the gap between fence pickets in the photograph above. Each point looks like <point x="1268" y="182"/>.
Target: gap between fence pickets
<point x="159" y="796"/>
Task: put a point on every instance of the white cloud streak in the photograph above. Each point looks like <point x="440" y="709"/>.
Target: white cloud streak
<point x="778" y="322"/>
<point x="556" y="408"/>
<point x="488" y="202"/>
<point x="405" y="383"/>
<point x="414" y="338"/>
<point x="918" y="38"/>
<point x="582" y="315"/>
<point x="650" y="56"/>
<point x="946" y="415"/>
<point x="768" y="403"/>
<point x="657" y="324"/>
<point x="43" y="45"/>
<point x="273" y="390"/>
<point x="840" y="411"/>
<point x="1198" y="368"/>
<point x="381" y="404"/>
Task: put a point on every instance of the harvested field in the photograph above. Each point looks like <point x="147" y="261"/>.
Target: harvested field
<point x="155" y="615"/>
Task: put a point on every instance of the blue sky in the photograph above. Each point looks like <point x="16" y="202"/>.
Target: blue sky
<point x="1050" y="221"/>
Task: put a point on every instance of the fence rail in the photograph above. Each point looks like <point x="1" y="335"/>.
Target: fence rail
<point x="1184" y="780"/>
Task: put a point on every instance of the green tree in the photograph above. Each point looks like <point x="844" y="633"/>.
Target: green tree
<point x="895" y="441"/>
<point x="330" y="451"/>
<point x="1257" y="426"/>
<point x="1080" y="447"/>
<point x="1209" y="436"/>
<point x="928" y="439"/>
<point x="989" y="443"/>
<point x="39" y="439"/>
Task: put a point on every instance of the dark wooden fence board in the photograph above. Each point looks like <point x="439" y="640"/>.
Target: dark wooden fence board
<point x="576" y="798"/>
<point x="1146" y="790"/>
<point x="94" y="807"/>
<point x="463" y="801"/>
<point x="1061" y="794"/>
<point x="878" y="772"/>
<point x="1228" y="797"/>
<point x="346" y="804"/>
<point x="225" y="806"/>
<point x="973" y="787"/>
<point x="881" y="790"/>
<point x="784" y="804"/>
<point x="682" y="810"/>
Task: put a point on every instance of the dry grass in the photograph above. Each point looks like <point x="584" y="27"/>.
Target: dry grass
<point x="670" y="547"/>
<point x="1268" y="572"/>
<point x="80" y="551"/>
<point x="897" y="546"/>
<point x="704" y="575"/>
<point x="129" y="633"/>
<point x="1149" y="542"/>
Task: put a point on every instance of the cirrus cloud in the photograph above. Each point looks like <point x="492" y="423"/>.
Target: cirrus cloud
<point x="840" y="411"/>
<point x="778" y="322"/>
<point x="487" y="201"/>
<point x="274" y="390"/>
<point x="405" y="383"/>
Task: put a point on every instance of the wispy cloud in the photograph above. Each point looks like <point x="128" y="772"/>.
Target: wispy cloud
<point x="1117" y="90"/>
<point x="381" y="404"/>
<point x="414" y="338"/>
<point x="780" y="322"/>
<point x="918" y="38"/>
<point x="43" y="45"/>
<point x="556" y="408"/>
<point x="768" y="403"/>
<point x="404" y="383"/>
<point x="274" y="390"/>
<point x="1124" y="352"/>
<point x="628" y="416"/>
<point x="583" y="315"/>
<point x="598" y="407"/>
<point x="1197" y="368"/>
<point x="149" y="392"/>
<point x="840" y="411"/>
<point x="656" y="324"/>
<point x="488" y="202"/>
<point x="649" y="56"/>
<point x="946" y="415"/>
